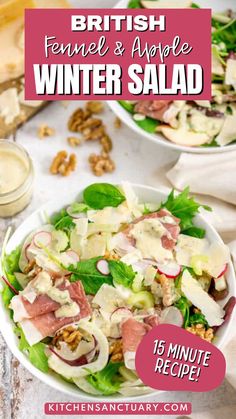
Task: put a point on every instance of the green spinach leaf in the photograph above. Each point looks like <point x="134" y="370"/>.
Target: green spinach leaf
<point x="101" y="195"/>
<point x="198" y="318"/>
<point x="10" y="266"/>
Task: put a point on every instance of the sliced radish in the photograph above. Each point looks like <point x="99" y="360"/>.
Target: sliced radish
<point x="72" y="254"/>
<point x="27" y="250"/>
<point x="172" y="315"/>
<point x="223" y="271"/>
<point x="10" y="285"/>
<point x="120" y="314"/>
<point x="42" y="238"/>
<point x="103" y="267"/>
<point x="171" y="270"/>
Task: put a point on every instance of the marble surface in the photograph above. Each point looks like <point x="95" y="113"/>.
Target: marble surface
<point x="137" y="160"/>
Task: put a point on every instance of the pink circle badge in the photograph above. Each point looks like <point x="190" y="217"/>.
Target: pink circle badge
<point x="170" y="358"/>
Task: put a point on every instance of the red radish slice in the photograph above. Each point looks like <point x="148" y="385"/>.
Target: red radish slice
<point x="42" y="238"/>
<point x="223" y="271"/>
<point x="72" y="254"/>
<point x="172" y="315"/>
<point x="10" y="285"/>
<point x="171" y="270"/>
<point x="27" y="249"/>
<point x="103" y="267"/>
<point x="82" y="360"/>
<point x="120" y="314"/>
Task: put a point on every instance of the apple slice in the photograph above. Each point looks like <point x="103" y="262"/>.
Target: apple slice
<point x="166" y="4"/>
<point x="183" y="137"/>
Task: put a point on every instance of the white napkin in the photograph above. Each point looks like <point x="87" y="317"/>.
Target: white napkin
<point x="212" y="178"/>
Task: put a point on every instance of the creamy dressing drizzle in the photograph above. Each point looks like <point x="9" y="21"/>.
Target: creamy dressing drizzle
<point x="43" y="285"/>
<point x="148" y="234"/>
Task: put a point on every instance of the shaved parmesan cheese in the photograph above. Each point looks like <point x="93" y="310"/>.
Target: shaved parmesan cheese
<point x="187" y="247"/>
<point x="218" y="255"/>
<point x="129" y="358"/>
<point x="199" y="298"/>
<point x="109" y="298"/>
<point x="150" y="275"/>
<point x="230" y="75"/>
<point x="131" y="199"/>
<point x="81" y="226"/>
<point x="94" y="246"/>
<point x="228" y="132"/>
<point x="110" y="215"/>
<point x="9" y="105"/>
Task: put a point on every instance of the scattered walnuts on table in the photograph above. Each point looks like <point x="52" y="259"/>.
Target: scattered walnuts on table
<point x="101" y="163"/>
<point x="62" y="164"/>
<point x="45" y="131"/>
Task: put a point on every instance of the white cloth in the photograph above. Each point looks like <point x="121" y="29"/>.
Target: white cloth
<point x="212" y="178"/>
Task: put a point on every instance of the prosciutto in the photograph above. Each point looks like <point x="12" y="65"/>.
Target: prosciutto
<point x="40" y="320"/>
<point x="153" y="108"/>
<point x="168" y="221"/>
<point x="43" y="304"/>
<point x="132" y="333"/>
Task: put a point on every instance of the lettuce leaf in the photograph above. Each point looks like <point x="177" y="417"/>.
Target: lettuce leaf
<point x="10" y="266"/>
<point x="106" y="380"/>
<point x="36" y="353"/>
<point x="185" y="208"/>
<point x="63" y="221"/>
<point x="121" y="273"/>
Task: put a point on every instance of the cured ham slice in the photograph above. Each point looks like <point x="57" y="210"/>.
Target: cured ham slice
<point x="168" y="221"/>
<point x="40" y="327"/>
<point x="152" y="320"/>
<point x="132" y="333"/>
<point x="153" y="108"/>
<point x="43" y="304"/>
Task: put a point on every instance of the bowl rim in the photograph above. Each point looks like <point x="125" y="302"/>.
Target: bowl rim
<point x="158" y="138"/>
<point x="52" y="379"/>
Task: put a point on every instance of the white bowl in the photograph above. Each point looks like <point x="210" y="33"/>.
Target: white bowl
<point x="145" y="194"/>
<point x="127" y="118"/>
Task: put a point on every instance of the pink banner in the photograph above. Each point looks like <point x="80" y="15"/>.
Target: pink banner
<point x="118" y="54"/>
<point x="107" y="408"/>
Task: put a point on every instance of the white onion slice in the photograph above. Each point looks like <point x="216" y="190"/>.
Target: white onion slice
<point x="67" y="371"/>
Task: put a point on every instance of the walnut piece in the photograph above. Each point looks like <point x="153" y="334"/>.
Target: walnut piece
<point x="117" y="123"/>
<point x="168" y="289"/>
<point x="63" y="165"/>
<point x="73" y="141"/>
<point x="106" y="143"/>
<point x="101" y="164"/>
<point x="115" y="350"/>
<point x="94" y="106"/>
<point x="70" y="335"/>
<point x="202" y="332"/>
<point x="45" y="131"/>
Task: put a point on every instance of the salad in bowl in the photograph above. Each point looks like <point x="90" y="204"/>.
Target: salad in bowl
<point x="201" y="126"/>
<point x="84" y="287"/>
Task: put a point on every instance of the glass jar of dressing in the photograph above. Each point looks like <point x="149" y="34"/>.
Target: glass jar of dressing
<point x="16" y="178"/>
